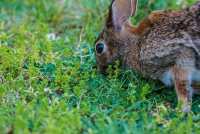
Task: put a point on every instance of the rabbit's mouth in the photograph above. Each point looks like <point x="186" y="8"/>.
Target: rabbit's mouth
<point x="103" y="69"/>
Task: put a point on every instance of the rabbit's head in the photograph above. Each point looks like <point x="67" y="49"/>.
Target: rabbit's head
<point x="116" y="35"/>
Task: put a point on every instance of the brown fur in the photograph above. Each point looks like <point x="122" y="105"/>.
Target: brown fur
<point x="149" y="49"/>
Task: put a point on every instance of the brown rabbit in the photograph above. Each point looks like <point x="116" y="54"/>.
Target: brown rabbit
<point x="165" y="46"/>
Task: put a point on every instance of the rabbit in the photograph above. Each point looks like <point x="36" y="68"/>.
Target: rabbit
<point x="165" y="46"/>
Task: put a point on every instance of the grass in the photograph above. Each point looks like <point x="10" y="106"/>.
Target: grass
<point x="49" y="83"/>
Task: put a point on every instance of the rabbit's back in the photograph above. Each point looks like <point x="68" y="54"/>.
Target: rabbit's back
<point x="174" y="34"/>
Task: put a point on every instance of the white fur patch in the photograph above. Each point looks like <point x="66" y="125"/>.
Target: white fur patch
<point x="196" y="75"/>
<point x="167" y="78"/>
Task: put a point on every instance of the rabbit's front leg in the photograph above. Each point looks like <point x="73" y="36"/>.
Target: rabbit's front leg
<point x="183" y="88"/>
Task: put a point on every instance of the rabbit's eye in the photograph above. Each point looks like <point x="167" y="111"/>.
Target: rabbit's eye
<point x="100" y="48"/>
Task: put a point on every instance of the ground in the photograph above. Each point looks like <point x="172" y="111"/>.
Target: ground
<point x="49" y="82"/>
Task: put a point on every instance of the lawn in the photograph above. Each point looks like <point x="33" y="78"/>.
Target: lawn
<point x="49" y="82"/>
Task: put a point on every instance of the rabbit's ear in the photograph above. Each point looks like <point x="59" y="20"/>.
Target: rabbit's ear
<point x="121" y="11"/>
